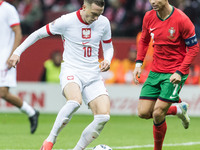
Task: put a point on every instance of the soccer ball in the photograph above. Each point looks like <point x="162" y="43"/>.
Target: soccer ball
<point x="102" y="147"/>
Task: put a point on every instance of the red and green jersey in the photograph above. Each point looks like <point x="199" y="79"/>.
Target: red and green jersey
<point x="170" y="38"/>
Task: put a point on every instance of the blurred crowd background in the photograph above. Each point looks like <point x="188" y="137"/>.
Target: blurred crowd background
<point x="125" y="15"/>
<point x="126" y="18"/>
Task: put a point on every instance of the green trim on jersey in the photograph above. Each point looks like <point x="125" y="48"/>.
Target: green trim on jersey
<point x="168" y="16"/>
<point x="158" y="86"/>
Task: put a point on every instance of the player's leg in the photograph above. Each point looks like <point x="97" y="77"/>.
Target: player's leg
<point x="72" y="92"/>
<point x="181" y="110"/>
<point x="22" y="105"/>
<point x="98" y="101"/>
<point x="101" y="109"/>
<point x="145" y="108"/>
<point x="160" y="126"/>
<point x="148" y="96"/>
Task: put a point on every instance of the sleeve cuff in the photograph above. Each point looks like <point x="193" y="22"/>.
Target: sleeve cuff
<point x="138" y="63"/>
<point x="180" y="73"/>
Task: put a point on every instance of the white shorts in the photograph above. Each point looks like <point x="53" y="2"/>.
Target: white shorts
<point x="91" y="84"/>
<point x="8" y="78"/>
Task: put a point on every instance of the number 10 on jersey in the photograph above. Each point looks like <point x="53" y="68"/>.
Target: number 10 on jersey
<point x="87" y="51"/>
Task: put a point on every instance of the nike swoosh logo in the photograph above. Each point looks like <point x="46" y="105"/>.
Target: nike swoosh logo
<point x="171" y="97"/>
<point x="151" y="29"/>
<point x="84" y="43"/>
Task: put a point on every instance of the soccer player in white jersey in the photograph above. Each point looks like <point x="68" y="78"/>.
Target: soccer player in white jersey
<point x="81" y="32"/>
<point x="10" y="38"/>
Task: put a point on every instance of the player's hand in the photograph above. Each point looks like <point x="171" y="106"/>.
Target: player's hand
<point x="136" y="73"/>
<point x="9" y="65"/>
<point x="175" y="78"/>
<point x="105" y="66"/>
<point x="14" y="60"/>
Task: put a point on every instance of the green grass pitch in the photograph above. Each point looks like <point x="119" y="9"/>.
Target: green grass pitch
<point x="120" y="131"/>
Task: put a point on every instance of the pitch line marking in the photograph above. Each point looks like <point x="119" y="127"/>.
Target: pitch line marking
<point x="131" y="147"/>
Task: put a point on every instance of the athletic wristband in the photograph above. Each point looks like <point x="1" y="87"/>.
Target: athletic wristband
<point x="138" y="65"/>
<point x="180" y="73"/>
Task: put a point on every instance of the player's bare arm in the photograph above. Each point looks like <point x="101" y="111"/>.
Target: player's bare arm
<point x="175" y="78"/>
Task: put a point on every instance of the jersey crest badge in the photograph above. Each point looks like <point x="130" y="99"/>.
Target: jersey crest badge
<point x="171" y="32"/>
<point x="86" y="33"/>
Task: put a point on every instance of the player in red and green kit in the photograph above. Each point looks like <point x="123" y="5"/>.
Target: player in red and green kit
<point x="175" y="47"/>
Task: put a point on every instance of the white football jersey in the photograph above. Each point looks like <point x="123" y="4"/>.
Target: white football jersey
<point x="8" y="18"/>
<point x="81" y="41"/>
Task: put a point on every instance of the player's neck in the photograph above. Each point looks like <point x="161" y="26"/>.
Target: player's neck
<point x="165" y="12"/>
<point x="82" y="15"/>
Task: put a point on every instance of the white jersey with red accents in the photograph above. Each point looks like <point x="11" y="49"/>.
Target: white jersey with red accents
<point x="81" y="41"/>
<point x="8" y="18"/>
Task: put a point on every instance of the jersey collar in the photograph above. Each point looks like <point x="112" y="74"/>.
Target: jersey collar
<point x="168" y="16"/>
<point x="1" y="3"/>
<point x="79" y="16"/>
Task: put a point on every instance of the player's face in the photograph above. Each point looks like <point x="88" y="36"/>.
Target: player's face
<point x="92" y="12"/>
<point x="158" y="5"/>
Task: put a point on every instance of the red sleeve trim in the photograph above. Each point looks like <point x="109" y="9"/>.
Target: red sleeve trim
<point x="1" y="3"/>
<point x="15" y="24"/>
<point x="48" y="30"/>
<point x="107" y="41"/>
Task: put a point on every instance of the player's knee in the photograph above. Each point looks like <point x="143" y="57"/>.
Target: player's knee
<point x="144" y="114"/>
<point x="74" y="105"/>
<point x="105" y="118"/>
<point x="158" y="113"/>
<point x="79" y="101"/>
<point x="76" y="99"/>
<point x="3" y="92"/>
<point x="101" y="121"/>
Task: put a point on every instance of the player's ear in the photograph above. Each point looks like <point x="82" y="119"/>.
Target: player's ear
<point x="83" y="7"/>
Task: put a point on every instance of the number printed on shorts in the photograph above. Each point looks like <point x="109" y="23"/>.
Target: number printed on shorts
<point x="174" y="94"/>
<point x="87" y="51"/>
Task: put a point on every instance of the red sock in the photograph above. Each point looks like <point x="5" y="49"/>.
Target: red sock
<point x="172" y="110"/>
<point x="159" y="134"/>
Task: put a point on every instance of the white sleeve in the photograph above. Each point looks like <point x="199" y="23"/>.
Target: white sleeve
<point x="107" y="31"/>
<point x="31" y="39"/>
<point x="107" y="42"/>
<point x="108" y="51"/>
<point x="13" y="17"/>
<point x="59" y="25"/>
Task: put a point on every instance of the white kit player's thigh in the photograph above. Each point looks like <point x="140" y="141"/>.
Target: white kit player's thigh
<point x="68" y="75"/>
<point x="8" y="78"/>
<point x="93" y="90"/>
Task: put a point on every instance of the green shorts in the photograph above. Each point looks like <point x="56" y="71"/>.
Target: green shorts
<point x="158" y="86"/>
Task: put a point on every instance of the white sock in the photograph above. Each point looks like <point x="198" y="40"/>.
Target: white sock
<point x="92" y="131"/>
<point x="62" y="119"/>
<point x="179" y="111"/>
<point x="26" y="108"/>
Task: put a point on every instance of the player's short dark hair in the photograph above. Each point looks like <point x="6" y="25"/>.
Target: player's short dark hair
<point x="99" y="3"/>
